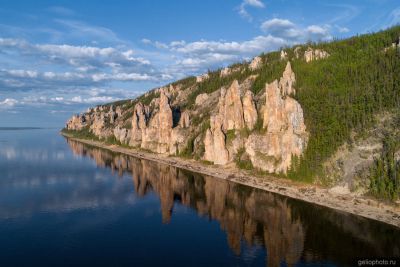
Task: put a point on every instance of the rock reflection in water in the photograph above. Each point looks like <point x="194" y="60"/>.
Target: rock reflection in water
<point x="290" y="230"/>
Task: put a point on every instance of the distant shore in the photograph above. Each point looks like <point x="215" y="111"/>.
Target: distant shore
<point x="347" y="202"/>
<point x="19" y="128"/>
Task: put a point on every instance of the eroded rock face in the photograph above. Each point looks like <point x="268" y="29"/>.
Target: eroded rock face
<point x="77" y="122"/>
<point x="285" y="132"/>
<point x="297" y="52"/>
<point x="255" y="63"/>
<point x="162" y="127"/>
<point x="98" y="123"/>
<point x="231" y="107"/>
<point x="287" y="80"/>
<point x="316" y="54"/>
<point x="202" y="77"/>
<point x="214" y="142"/>
<point x="184" y="121"/>
<point x="227" y="71"/>
<point x="200" y="99"/>
<point x="156" y="132"/>
<point x="139" y="124"/>
<point x="249" y="110"/>
<point x="122" y="135"/>
<point x="283" y="55"/>
<point x="157" y="136"/>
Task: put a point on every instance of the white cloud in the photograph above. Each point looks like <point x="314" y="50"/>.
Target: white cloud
<point x="197" y="57"/>
<point x="256" y="45"/>
<point x="23" y="73"/>
<point x="83" y="57"/>
<point x="8" y="102"/>
<point x="291" y="32"/>
<point x="253" y="3"/>
<point x="342" y="29"/>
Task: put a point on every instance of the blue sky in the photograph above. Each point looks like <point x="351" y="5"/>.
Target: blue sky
<point x="60" y="57"/>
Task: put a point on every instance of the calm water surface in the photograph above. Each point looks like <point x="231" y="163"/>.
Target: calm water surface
<point x="64" y="203"/>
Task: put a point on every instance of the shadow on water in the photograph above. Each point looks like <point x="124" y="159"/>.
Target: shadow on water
<point x="290" y="230"/>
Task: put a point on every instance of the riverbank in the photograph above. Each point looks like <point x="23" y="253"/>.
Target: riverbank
<point x="331" y="198"/>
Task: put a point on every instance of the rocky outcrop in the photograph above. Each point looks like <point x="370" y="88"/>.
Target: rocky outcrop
<point x="139" y="124"/>
<point x="76" y="123"/>
<point x="315" y="54"/>
<point x="249" y="110"/>
<point x="202" y="77"/>
<point x="98" y="123"/>
<point x="214" y="142"/>
<point x="157" y="136"/>
<point x="283" y="55"/>
<point x="296" y="52"/>
<point x="234" y="113"/>
<point x="184" y="121"/>
<point x="285" y="131"/>
<point x="155" y="130"/>
<point x="231" y="107"/>
<point x="200" y="99"/>
<point x="256" y="63"/>
<point x="122" y="135"/>
<point x="287" y="80"/>
<point x="228" y="71"/>
<point x="163" y="126"/>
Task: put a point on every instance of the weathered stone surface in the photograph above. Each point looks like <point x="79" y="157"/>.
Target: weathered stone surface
<point x="77" y="122"/>
<point x="227" y="71"/>
<point x="122" y="135"/>
<point x="200" y="99"/>
<point x="231" y="107"/>
<point x="283" y="55"/>
<point x="157" y="136"/>
<point x="285" y="132"/>
<point x="316" y="54"/>
<point x="139" y="124"/>
<point x="256" y="63"/>
<point x="287" y="80"/>
<point x="202" y="77"/>
<point x="177" y="141"/>
<point x="215" y="146"/>
<point x="163" y="128"/>
<point x="156" y="131"/>
<point x="297" y="52"/>
<point x="249" y="110"/>
<point x="184" y="121"/>
<point x="118" y="111"/>
<point x="98" y="124"/>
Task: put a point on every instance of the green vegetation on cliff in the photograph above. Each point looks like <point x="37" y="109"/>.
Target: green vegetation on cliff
<point x="385" y="172"/>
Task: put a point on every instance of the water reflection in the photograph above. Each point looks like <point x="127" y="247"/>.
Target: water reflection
<point x="291" y="231"/>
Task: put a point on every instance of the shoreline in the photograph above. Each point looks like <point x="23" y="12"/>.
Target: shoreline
<point x="342" y="202"/>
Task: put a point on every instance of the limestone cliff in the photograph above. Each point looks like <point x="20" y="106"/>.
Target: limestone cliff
<point x="314" y="54"/>
<point x="270" y="150"/>
<point x="285" y="132"/>
<point x="221" y="127"/>
<point x="214" y="142"/>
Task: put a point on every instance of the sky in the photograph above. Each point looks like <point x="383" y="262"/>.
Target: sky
<point x="58" y="58"/>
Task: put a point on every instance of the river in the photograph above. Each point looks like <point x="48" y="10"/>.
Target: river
<point x="63" y="203"/>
